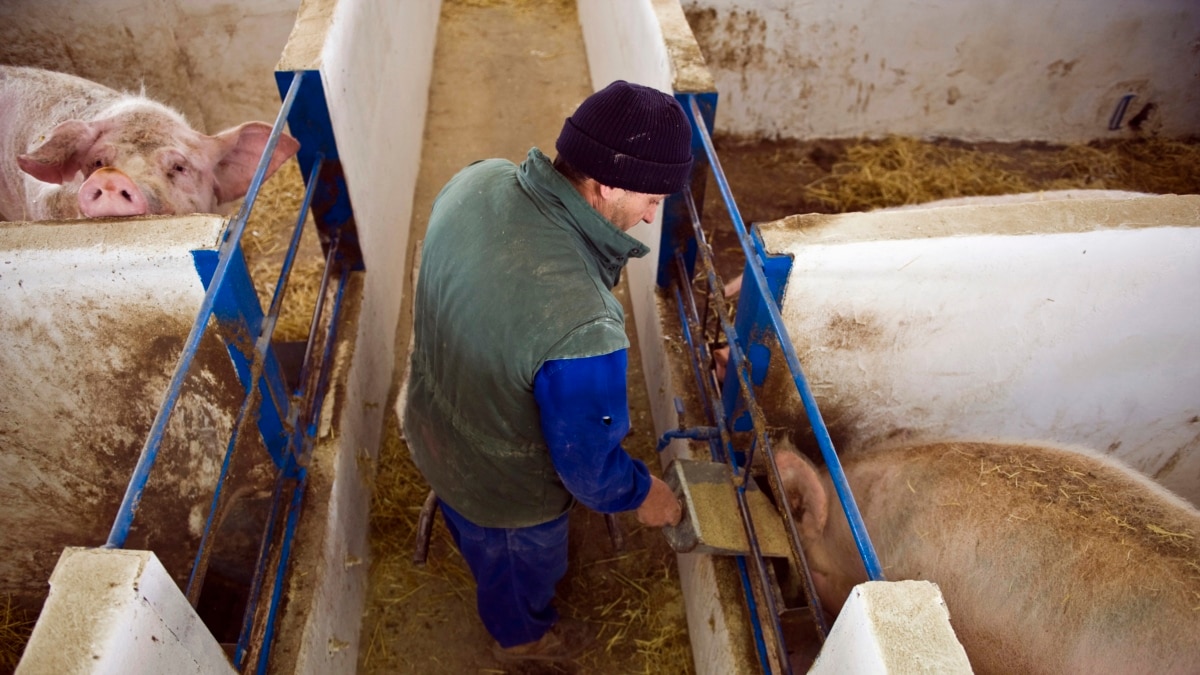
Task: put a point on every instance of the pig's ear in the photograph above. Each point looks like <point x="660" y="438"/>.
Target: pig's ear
<point x="804" y="491"/>
<point x="239" y="151"/>
<point x="61" y="155"/>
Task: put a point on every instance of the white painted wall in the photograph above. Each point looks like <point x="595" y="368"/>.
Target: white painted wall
<point x="213" y="60"/>
<point x="898" y="627"/>
<point x="119" y="612"/>
<point x="375" y="59"/>
<point x="1076" y="322"/>
<point x="93" y="319"/>
<point x="977" y="70"/>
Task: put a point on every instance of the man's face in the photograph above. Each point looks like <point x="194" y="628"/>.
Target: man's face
<point x="626" y="209"/>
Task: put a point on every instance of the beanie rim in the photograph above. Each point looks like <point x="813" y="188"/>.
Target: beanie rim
<point x="620" y="170"/>
<point x="630" y="136"/>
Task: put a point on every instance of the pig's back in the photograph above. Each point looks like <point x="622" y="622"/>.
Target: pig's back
<point x="1050" y="560"/>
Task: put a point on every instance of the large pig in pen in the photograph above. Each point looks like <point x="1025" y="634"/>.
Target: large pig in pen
<point x="1050" y="559"/>
<point x="72" y="148"/>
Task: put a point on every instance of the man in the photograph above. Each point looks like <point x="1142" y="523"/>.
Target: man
<point x="517" y="396"/>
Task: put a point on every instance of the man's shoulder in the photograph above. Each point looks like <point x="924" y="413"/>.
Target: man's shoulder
<point x="483" y="171"/>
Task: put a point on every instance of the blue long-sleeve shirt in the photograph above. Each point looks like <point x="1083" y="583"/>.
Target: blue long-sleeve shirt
<point x="584" y="410"/>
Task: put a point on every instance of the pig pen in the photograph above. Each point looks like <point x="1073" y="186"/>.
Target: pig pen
<point x="836" y="316"/>
<point x="97" y="318"/>
<point x="861" y="145"/>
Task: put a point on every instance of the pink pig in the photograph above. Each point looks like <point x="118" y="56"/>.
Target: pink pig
<point x="1050" y="560"/>
<point x="72" y="148"/>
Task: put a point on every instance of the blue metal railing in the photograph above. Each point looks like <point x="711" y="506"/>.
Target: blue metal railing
<point x="754" y="253"/>
<point x="683" y="243"/>
<point x="286" y="420"/>
<point x="229" y="245"/>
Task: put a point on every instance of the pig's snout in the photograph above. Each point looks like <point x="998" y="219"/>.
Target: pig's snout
<point x="109" y="192"/>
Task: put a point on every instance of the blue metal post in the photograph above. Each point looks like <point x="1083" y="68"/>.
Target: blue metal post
<point x="755" y="276"/>
<point x="229" y="244"/>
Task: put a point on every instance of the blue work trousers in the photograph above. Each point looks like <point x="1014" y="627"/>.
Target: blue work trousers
<point x="516" y="571"/>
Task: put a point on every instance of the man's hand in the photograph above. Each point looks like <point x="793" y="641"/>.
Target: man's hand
<point x="661" y="507"/>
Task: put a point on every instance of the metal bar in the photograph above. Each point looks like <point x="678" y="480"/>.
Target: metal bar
<point x="260" y="572"/>
<point x="293" y="518"/>
<point x="314" y="415"/>
<point x="763" y="576"/>
<point x="303" y="435"/>
<point x="1118" y="114"/>
<point x="262" y="344"/>
<point x="304" y="391"/>
<point x="425" y="528"/>
<point x="149" y="454"/>
<point x="820" y="431"/>
<point x="200" y="561"/>
<point x="760" y="645"/>
<point x="285" y="271"/>
<point x="694" y="433"/>
<point x="614" y="533"/>
<point x="290" y="460"/>
<point x="740" y="364"/>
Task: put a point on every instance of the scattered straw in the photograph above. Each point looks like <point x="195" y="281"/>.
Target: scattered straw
<point x="1166" y="533"/>
<point x="632" y="598"/>
<point x="900" y="170"/>
<point x="15" y="628"/>
<point x="268" y="233"/>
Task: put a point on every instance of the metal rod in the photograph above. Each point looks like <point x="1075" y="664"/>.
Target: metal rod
<point x="314" y="414"/>
<point x="260" y="572"/>
<point x="293" y="247"/>
<point x="293" y="518"/>
<point x="425" y="528"/>
<point x="760" y="644"/>
<point x="741" y="367"/>
<point x="761" y="569"/>
<point x="309" y="435"/>
<point x="694" y="433"/>
<point x="200" y="563"/>
<point x="820" y="431"/>
<point x="291" y="458"/>
<point x="614" y="533"/>
<point x="1114" y="122"/>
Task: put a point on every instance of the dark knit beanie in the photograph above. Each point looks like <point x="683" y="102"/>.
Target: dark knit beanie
<point x="631" y="137"/>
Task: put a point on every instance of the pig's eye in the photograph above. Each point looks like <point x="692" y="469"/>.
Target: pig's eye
<point x="97" y="164"/>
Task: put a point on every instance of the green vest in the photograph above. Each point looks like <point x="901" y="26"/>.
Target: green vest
<point x="516" y="270"/>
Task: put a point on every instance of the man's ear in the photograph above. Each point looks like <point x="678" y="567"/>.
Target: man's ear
<point x="606" y="192"/>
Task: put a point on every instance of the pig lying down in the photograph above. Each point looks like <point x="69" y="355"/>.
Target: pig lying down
<point x="71" y="148"/>
<point x="1050" y="561"/>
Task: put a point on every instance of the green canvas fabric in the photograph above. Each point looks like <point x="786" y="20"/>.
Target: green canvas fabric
<point x="516" y="269"/>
